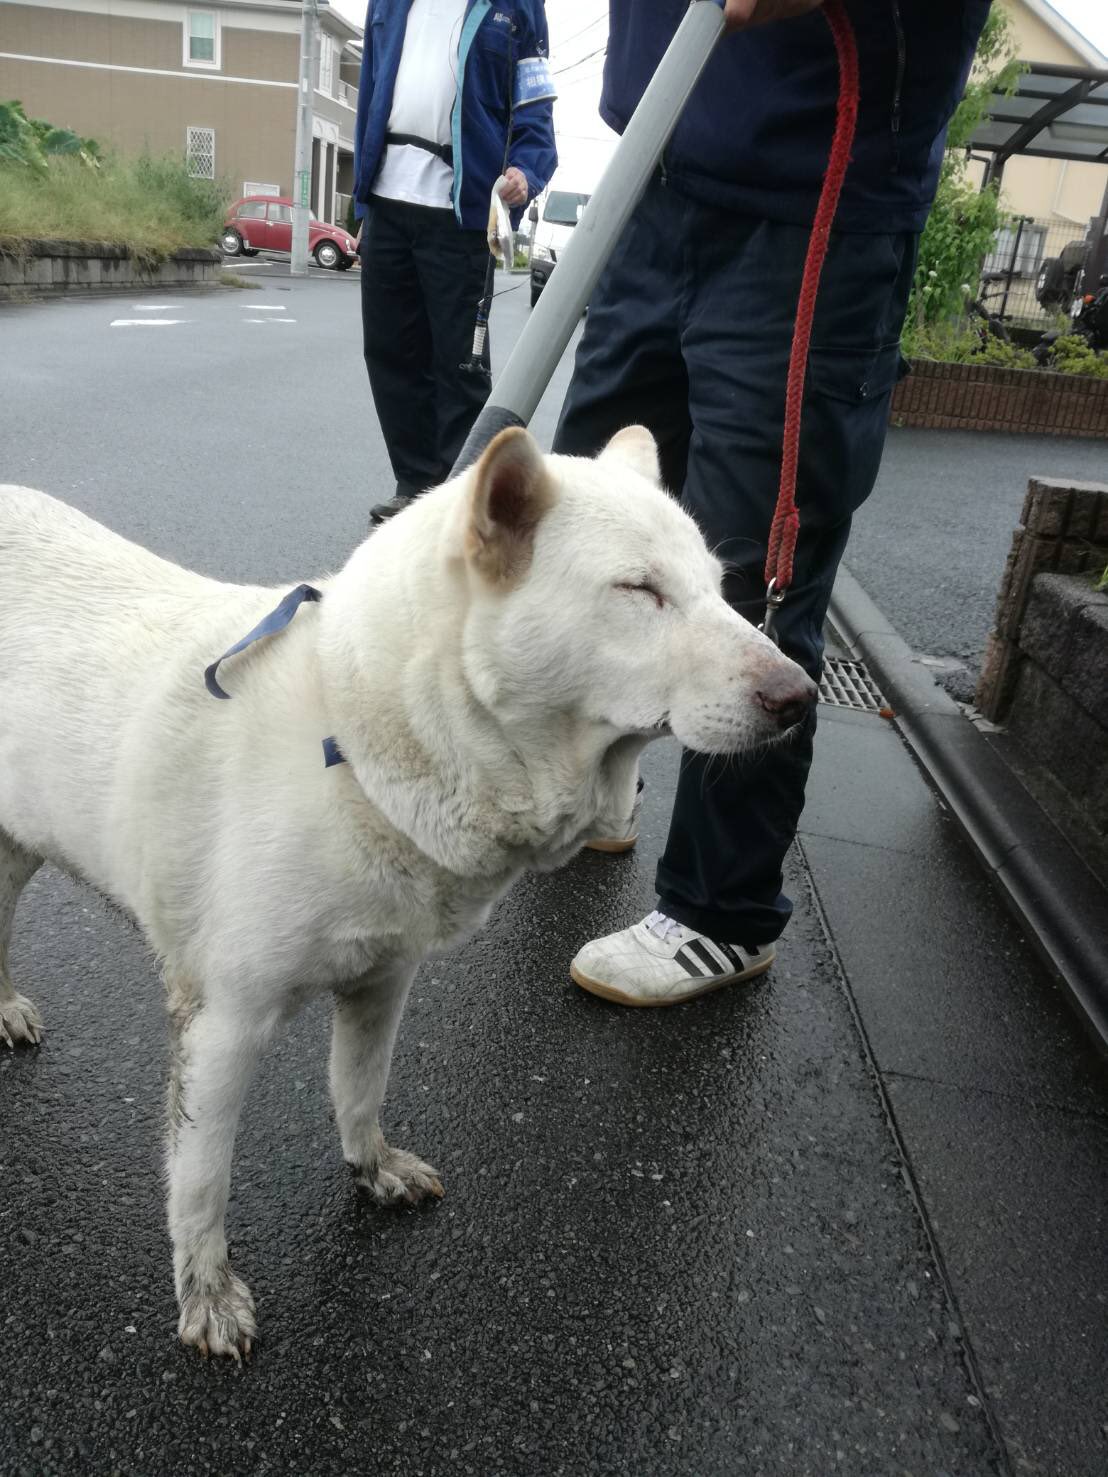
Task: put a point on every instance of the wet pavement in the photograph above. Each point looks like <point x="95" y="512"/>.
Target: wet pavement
<point x="930" y="544"/>
<point x="848" y="1219"/>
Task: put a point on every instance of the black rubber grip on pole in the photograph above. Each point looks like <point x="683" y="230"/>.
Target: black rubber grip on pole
<point x="492" y="420"/>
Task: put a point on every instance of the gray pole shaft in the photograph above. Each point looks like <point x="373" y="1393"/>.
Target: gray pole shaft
<point x="540" y="346"/>
<point x="302" y="173"/>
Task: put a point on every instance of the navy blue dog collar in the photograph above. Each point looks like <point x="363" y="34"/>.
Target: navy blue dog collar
<point x="269" y="625"/>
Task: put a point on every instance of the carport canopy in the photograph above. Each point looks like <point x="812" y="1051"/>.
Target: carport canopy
<point x="1057" y="111"/>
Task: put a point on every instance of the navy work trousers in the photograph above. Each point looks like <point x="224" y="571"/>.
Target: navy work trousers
<point x="688" y="333"/>
<point x="422" y="278"/>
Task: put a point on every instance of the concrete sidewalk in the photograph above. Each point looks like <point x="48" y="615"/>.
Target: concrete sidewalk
<point x="998" y="1106"/>
<point x="847" y="1220"/>
<point x="850" y="1219"/>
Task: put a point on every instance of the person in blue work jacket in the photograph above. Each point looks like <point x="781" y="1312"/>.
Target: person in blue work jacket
<point x="689" y="332"/>
<point x="453" y="95"/>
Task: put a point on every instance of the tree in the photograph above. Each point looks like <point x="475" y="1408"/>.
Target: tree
<point x="964" y="221"/>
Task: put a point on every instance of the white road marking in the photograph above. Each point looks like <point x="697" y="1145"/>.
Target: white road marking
<point x="151" y="322"/>
<point x="264" y="307"/>
<point x="269" y="320"/>
<point x="155" y="307"/>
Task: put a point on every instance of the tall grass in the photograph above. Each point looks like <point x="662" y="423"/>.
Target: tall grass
<point x="152" y="206"/>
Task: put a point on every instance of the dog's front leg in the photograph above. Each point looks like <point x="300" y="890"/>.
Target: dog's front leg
<point x="214" y="1057"/>
<point x="366" y="1021"/>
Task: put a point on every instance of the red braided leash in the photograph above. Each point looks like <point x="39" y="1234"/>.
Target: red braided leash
<point x="786" y="519"/>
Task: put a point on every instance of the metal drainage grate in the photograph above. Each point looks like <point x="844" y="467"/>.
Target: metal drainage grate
<point x="848" y="685"/>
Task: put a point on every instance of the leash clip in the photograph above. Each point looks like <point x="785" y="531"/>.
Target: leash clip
<point x="774" y="600"/>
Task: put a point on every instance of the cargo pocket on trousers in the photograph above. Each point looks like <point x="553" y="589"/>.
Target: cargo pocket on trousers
<point x="846" y="417"/>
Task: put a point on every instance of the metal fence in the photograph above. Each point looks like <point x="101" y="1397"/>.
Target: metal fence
<point x="1017" y="273"/>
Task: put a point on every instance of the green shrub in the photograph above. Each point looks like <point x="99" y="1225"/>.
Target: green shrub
<point x="959" y="341"/>
<point x="963" y="222"/>
<point x="1004" y="354"/>
<point x="32" y="143"/>
<point x="153" y="206"/>
<point x="1073" y="354"/>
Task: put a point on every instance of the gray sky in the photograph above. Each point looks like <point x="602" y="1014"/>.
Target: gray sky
<point x="1089" y="16"/>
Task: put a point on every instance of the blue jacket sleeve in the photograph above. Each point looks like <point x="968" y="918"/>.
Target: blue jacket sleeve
<point x="365" y="88"/>
<point x="532" y="148"/>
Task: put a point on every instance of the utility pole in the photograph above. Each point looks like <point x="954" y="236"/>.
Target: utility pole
<point x="302" y="173"/>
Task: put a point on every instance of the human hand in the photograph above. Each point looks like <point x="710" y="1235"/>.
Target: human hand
<point x="738" y="15"/>
<point x="514" y="191"/>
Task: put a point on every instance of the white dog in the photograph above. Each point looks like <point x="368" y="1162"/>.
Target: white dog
<point x="490" y="666"/>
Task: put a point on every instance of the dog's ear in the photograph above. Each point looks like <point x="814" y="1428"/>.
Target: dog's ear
<point x="636" y="448"/>
<point x="511" y="491"/>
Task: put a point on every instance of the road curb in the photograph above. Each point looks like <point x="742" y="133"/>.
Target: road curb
<point x="1060" y="905"/>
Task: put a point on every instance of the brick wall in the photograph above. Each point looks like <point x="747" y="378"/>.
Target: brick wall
<point x="1059" y="703"/>
<point x="981" y="397"/>
<point x="1062" y="530"/>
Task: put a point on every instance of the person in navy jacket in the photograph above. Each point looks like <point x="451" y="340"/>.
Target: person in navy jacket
<point x="453" y="95"/>
<point x="689" y="332"/>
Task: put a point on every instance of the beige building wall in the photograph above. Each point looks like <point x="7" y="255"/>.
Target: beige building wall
<point x="250" y="101"/>
<point x="1035" y="40"/>
<point x="1049" y="189"/>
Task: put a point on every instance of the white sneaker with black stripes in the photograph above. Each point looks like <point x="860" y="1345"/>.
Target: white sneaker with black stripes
<point x="661" y="962"/>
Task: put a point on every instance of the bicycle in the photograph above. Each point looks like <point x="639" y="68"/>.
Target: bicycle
<point x="992" y="324"/>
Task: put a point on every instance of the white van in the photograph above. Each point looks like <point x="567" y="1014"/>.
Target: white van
<point x="557" y="215"/>
<point x="554" y="215"/>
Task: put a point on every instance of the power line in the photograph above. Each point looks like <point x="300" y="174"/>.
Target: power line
<point x="600" y="51"/>
<point x="580" y="81"/>
<point x="601" y="17"/>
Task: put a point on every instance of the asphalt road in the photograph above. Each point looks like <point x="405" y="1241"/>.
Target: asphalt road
<point x="681" y="1242"/>
<point x="930" y="544"/>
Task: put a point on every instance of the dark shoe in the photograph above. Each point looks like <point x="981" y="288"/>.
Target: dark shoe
<point x="384" y="511"/>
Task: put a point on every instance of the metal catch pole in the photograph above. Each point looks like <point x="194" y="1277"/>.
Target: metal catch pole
<point x="540" y="346"/>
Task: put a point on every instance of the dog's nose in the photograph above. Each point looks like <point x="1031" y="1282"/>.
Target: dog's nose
<point x="786" y="697"/>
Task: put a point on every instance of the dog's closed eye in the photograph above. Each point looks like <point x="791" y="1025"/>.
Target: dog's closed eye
<point x="642" y="587"/>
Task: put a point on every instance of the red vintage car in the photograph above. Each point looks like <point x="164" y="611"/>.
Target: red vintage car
<point x="264" y="223"/>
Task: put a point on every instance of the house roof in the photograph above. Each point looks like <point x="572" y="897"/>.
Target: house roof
<point x="1057" y="111"/>
<point x="333" y="19"/>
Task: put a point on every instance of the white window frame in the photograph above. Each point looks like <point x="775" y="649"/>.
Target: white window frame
<point x="189" y="131"/>
<point x="329" y="47"/>
<point x="216" y="63"/>
<point x="1030" y="255"/>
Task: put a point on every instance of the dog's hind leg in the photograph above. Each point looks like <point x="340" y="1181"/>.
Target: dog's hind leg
<point x="364" y="1031"/>
<point x="19" y="1020"/>
<point x="214" y="1056"/>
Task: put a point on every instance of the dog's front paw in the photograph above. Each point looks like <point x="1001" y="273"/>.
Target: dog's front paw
<point x="20" y="1023"/>
<point x="396" y="1177"/>
<point x="220" y="1319"/>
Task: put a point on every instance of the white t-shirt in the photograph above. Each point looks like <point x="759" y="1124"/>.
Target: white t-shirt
<point x="422" y="101"/>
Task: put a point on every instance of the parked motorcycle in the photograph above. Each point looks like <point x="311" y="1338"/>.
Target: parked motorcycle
<point x="1056" y="286"/>
<point x="1090" y="322"/>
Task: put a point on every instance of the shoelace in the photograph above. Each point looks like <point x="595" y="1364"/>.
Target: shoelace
<point x="662" y="926"/>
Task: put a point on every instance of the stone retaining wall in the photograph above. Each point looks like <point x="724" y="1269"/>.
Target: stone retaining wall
<point x="1045" y="674"/>
<point x="48" y="268"/>
<point x="982" y="397"/>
